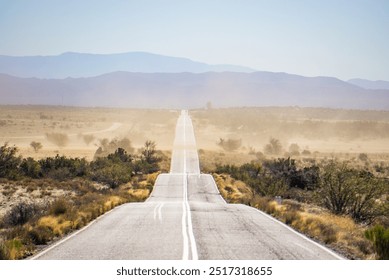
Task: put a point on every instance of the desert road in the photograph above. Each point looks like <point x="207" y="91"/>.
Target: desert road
<point x="186" y="218"/>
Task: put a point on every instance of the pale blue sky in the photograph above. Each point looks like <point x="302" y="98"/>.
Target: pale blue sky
<point x="341" y="38"/>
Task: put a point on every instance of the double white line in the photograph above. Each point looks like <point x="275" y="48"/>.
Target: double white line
<point x="158" y="211"/>
<point x="187" y="229"/>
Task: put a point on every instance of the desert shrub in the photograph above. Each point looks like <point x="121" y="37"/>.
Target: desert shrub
<point x="274" y="147"/>
<point x="273" y="177"/>
<point x="230" y="145"/>
<point x="306" y="178"/>
<point x="111" y="172"/>
<point x="268" y="185"/>
<point x="9" y="162"/>
<point x="59" y="207"/>
<point x="21" y="213"/>
<point x="380" y="239"/>
<point x="31" y="168"/>
<point x="120" y="156"/>
<point x="149" y="154"/>
<point x="61" y="167"/>
<point x="58" y="139"/>
<point x="337" y="187"/>
<point x="367" y="191"/>
<point x="40" y="235"/>
<point x="36" y="146"/>
<point x="345" y="190"/>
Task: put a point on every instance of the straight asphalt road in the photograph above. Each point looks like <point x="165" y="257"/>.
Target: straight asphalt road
<point x="186" y="218"/>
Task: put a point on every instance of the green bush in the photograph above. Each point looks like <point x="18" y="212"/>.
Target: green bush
<point x="380" y="238"/>
<point x="345" y="190"/>
<point x="31" y="168"/>
<point x="62" y="168"/>
<point x="9" y="162"/>
<point x="112" y="173"/>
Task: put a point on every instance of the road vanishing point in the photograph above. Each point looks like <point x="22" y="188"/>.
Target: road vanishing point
<point x="186" y="218"/>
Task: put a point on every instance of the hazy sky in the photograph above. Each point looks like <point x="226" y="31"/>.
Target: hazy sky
<point x="341" y="38"/>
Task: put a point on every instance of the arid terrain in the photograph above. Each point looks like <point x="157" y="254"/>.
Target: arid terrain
<point x="20" y="125"/>
<point x="298" y="139"/>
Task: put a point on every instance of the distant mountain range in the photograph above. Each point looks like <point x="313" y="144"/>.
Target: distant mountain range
<point x="79" y="65"/>
<point x="192" y="90"/>
<point x="139" y="79"/>
<point x="366" y="84"/>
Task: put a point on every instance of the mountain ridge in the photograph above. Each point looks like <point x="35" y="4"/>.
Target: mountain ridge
<point x="191" y="90"/>
<point x="77" y="65"/>
<point x="368" y="84"/>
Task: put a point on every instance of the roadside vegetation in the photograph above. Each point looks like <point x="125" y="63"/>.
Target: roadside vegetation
<point x="324" y="172"/>
<point x="343" y="206"/>
<point x="51" y="197"/>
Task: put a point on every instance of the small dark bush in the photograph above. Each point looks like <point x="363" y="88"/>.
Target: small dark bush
<point x="40" y="235"/>
<point x="59" y="207"/>
<point x="21" y="213"/>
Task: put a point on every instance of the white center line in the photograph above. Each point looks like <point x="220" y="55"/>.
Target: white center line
<point x="187" y="230"/>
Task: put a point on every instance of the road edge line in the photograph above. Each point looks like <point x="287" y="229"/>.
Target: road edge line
<point x="328" y="250"/>
<point x="59" y="242"/>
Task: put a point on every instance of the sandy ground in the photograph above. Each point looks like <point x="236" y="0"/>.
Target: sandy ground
<point x="20" y="125"/>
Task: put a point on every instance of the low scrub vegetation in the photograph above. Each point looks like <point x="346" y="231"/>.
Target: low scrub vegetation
<point x="89" y="190"/>
<point x="330" y="201"/>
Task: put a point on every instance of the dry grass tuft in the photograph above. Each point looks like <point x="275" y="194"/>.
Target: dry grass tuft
<point x="233" y="191"/>
<point x="139" y="194"/>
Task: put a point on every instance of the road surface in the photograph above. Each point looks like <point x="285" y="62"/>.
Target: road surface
<point x="186" y="218"/>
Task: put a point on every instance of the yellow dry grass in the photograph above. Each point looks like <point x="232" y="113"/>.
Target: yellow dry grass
<point x="58" y="225"/>
<point x="233" y="191"/>
<point x="139" y="194"/>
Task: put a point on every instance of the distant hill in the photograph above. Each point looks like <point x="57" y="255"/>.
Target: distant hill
<point x="367" y="84"/>
<point x="78" y="65"/>
<point x="191" y="90"/>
